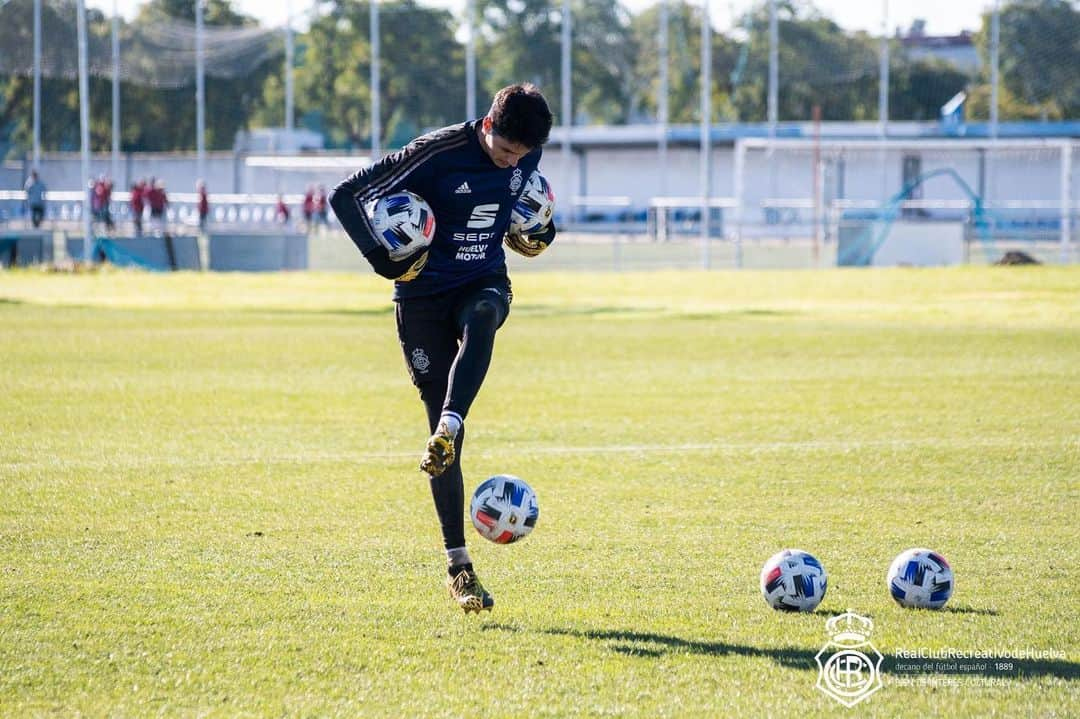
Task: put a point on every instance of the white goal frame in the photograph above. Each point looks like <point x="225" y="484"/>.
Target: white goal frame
<point x="825" y="212"/>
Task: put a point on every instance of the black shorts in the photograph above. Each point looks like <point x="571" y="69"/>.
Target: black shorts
<point x="430" y="327"/>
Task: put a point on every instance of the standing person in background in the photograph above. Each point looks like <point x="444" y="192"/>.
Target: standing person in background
<point x="158" y="200"/>
<point x="100" y="201"/>
<point x="309" y="207"/>
<point x="204" y="204"/>
<point x="35" y="198"/>
<point x="110" y="225"/>
<point x="138" y="198"/>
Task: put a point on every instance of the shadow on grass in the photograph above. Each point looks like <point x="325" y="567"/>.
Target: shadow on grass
<point x="539" y="310"/>
<point x="547" y="311"/>
<point x="735" y="314"/>
<point x="10" y="301"/>
<point x="586" y="311"/>
<point x="970" y="610"/>
<point x="324" y="311"/>
<point x="654" y="646"/>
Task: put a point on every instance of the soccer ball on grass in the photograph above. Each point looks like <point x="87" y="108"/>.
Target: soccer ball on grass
<point x="920" y="579"/>
<point x="793" y="581"/>
<point x="504" y="509"/>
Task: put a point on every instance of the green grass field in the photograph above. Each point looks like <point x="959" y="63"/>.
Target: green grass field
<point x="208" y="503"/>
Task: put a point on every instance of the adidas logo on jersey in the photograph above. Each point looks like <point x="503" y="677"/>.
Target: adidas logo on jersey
<point x="463" y="189"/>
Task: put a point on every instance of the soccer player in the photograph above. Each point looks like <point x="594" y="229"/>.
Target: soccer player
<point x="452" y="296"/>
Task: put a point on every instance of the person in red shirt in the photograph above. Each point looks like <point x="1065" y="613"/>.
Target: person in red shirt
<point x="309" y="205"/>
<point x="204" y="204"/>
<point x="138" y="197"/>
<point x="97" y="199"/>
<point x="158" y="200"/>
<point x="100" y="199"/>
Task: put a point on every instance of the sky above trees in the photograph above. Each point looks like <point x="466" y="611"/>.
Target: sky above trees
<point x="942" y="18"/>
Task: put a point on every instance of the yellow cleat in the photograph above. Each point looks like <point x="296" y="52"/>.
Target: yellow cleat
<point x="439" y="454"/>
<point x="468" y="592"/>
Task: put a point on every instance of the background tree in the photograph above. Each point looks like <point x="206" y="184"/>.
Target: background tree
<point x="163" y="118"/>
<point x="59" y="94"/>
<point x="615" y="69"/>
<point x="918" y="89"/>
<point x="1039" y="62"/>
<point x="520" y="41"/>
<point x="819" y="64"/>
<point x="684" y="65"/>
<point x="155" y="114"/>
<point x="421" y="67"/>
<point x="604" y="54"/>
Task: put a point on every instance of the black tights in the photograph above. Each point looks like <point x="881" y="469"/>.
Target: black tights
<point x="477" y="321"/>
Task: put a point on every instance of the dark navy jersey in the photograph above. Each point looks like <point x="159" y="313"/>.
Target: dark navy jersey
<point x="470" y="196"/>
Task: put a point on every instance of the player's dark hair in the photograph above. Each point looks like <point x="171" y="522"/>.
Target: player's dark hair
<point x="520" y="114"/>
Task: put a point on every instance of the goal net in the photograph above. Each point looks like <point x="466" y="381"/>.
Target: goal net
<point x="909" y="201"/>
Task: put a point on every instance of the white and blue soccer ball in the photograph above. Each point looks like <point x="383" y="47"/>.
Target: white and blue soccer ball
<point x="404" y="224"/>
<point x="920" y="579"/>
<point x="535" y="206"/>
<point x="504" y="509"/>
<point x="793" y="581"/>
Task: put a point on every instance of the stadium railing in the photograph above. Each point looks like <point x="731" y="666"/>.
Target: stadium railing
<point x="64" y="207"/>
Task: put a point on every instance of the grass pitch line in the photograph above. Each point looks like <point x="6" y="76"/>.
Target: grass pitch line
<point x="687" y="448"/>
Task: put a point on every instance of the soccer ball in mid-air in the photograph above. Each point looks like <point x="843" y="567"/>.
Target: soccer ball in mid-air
<point x="404" y="223"/>
<point x="920" y="579"/>
<point x="793" y="581"/>
<point x="535" y="206"/>
<point x="504" y="509"/>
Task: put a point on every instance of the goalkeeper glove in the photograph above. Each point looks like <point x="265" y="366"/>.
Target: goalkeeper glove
<point x="531" y="245"/>
<point x="404" y="270"/>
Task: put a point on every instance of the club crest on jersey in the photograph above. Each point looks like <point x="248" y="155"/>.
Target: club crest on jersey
<point x="420" y="359"/>
<point x="516" y="180"/>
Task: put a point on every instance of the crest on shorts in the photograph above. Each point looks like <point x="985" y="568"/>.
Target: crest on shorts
<point x="420" y="359"/>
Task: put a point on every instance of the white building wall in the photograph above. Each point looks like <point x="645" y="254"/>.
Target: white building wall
<point x="1023" y="175"/>
<point x="1013" y="175"/>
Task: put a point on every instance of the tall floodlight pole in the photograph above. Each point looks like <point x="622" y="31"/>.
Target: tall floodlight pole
<point x="470" y="59"/>
<point x="662" y="97"/>
<point x="883" y="73"/>
<point x="115" y="94"/>
<point x="567" y="113"/>
<point x="706" y="130"/>
<point x="376" y="122"/>
<point x="289" y="61"/>
<point x="200" y="94"/>
<point x="883" y="100"/>
<point x="774" y="71"/>
<point x="995" y="47"/>
<point x="37" y="84"/>
<point x="84" y="128"/>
